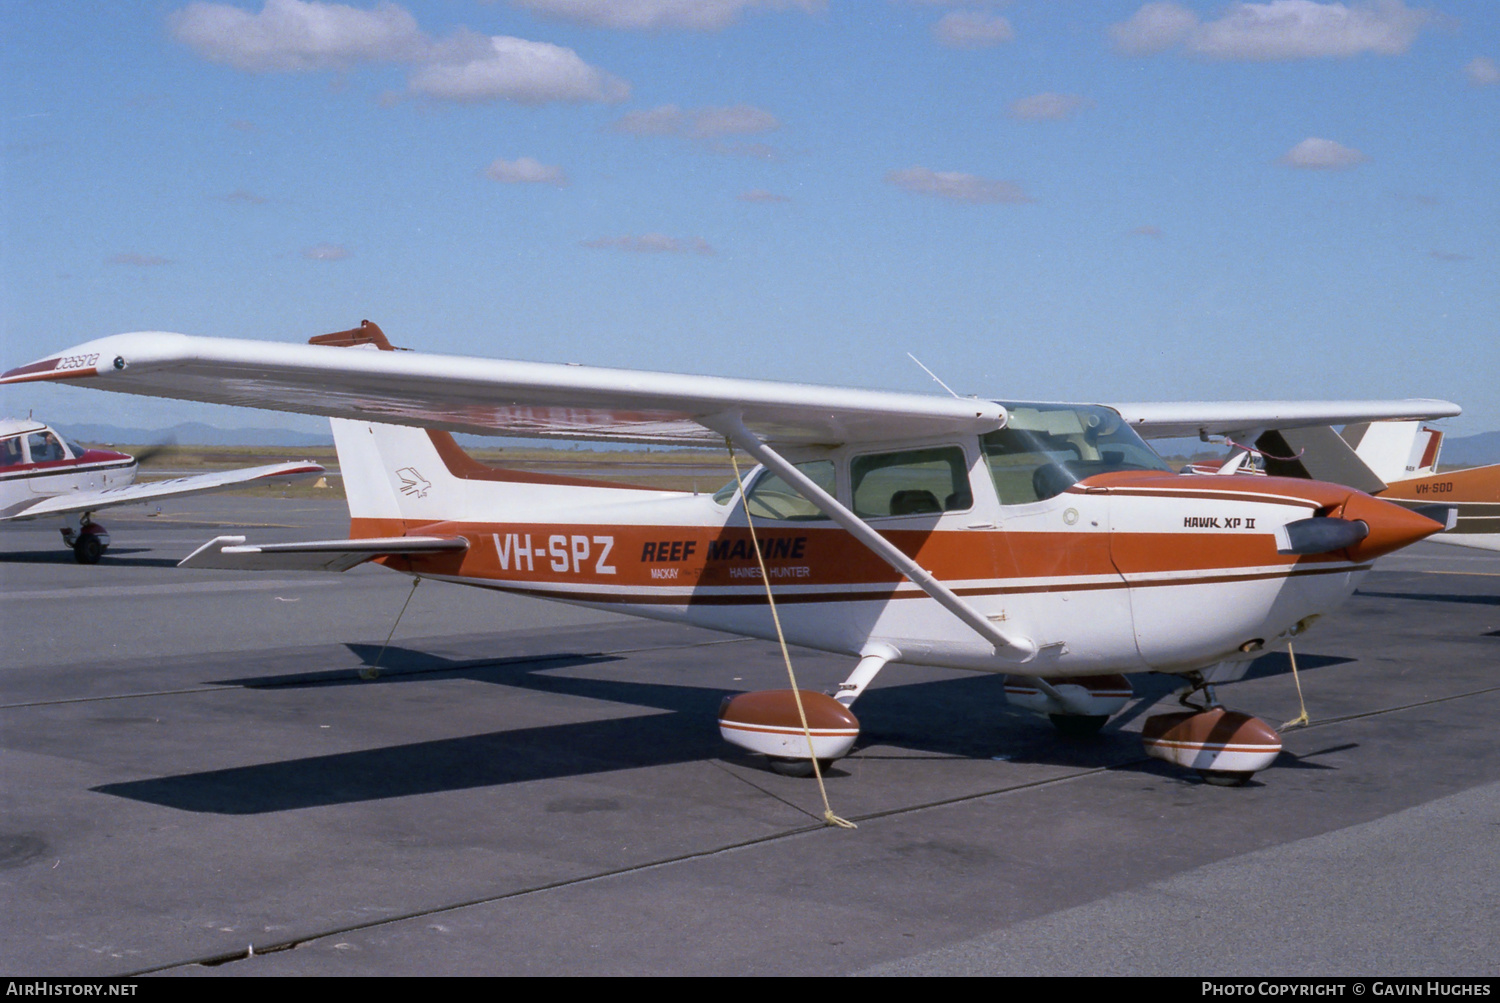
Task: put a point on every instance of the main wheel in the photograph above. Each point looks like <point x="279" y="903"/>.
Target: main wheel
<point x="801" y="768"/>
<point x="1078" y="725"/>
<point x="88" y="549"/>
<point x="1226" y="778"/>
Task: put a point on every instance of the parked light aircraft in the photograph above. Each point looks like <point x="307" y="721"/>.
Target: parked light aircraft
<point x="1393" y="460"/>
<point x="1042" y="540"/>
<point x="43" y="474"/>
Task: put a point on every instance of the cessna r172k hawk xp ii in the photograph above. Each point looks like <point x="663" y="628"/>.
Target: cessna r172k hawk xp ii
<point x="43" y="474"/>
<point x="1045" y="541"/>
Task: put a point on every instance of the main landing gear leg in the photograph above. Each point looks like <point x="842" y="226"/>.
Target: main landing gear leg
<point x="90" y="541"/>
<point x="1225" y="747"/>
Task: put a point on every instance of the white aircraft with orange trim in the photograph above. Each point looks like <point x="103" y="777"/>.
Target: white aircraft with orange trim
<point x="44" y="474"/>
<point x="1044" y="541"/>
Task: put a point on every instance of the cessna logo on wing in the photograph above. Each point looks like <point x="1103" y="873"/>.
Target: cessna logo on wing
<point x="413" y="483"/>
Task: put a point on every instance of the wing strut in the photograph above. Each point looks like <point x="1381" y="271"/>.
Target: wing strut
<point x="1018" y="649"/>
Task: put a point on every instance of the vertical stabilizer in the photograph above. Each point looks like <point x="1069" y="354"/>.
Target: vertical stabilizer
<point x="393" y="472"/>
<point x="1388" y="447"/>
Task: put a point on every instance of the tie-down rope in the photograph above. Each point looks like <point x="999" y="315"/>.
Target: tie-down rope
<point x="828" y="816"/>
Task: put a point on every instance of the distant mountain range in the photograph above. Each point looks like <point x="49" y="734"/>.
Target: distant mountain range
<point x="1468" y="450"/>
<point x="1471" y="450"/>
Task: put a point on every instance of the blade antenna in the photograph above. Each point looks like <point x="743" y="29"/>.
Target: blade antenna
<point x="934" y="375"/>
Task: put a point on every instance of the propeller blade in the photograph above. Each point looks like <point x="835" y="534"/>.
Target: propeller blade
<point x="1320" y="535"/>
<point x="151" y="451"/>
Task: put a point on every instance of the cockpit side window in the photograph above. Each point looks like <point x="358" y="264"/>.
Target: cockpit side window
<point x="911" y="482"/>
<point x="44" y="447"/>
<point x="1045" y="448"/>
<point x="773" y="498"/>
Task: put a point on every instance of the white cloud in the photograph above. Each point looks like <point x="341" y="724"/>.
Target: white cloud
<point x="1278" y="30"/>
<point x="1048" y="106"/>
<point x="694" y="15"/>
<point x="515" y="69"/>
<point x="956" y="186"/>
<point x="761" y="195"/>
<point x="1482" y="72"/>
<point x="736" y="120"/>
<point x="665" y="120"/>
<point x="759" y="151"/>
<point x="652" y="243"/>
<point x="293" y="35"/>
<point x="1313" y="154"/>
<point x="325" y="252"/>
<point x="706" y="127"/>
<point x="138" y="260"/>
<point x="962" y="29"/>
<point x="525" y="171"/>
<point x="1156" y="27"/>
<point x="302" y="35"/>
<point x="697" y="123"/>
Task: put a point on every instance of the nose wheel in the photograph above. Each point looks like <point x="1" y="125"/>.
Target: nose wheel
<point x="1225" y="747"/>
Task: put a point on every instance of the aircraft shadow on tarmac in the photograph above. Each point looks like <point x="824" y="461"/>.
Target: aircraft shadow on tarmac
<point x="1478" y="600"/>
<point x="115" y="555"/>
<point x="963" y="718"/>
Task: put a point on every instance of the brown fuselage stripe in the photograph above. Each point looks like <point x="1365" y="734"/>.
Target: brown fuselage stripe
<point x="64" y="467"/>
<point x="757" y="597"/>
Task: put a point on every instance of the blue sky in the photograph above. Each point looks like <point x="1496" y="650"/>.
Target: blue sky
<point x="1059" y="200"/>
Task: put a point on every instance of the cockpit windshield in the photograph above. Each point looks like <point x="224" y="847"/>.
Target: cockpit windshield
<point x="1045" y="448"/>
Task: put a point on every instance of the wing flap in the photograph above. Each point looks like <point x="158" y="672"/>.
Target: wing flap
<point x="232" y="553"/>
<point x="132" y="494"/>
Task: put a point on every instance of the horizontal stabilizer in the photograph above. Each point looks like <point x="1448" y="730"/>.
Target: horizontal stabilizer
<point x="149" y="491"/>
<point x="233" y="554"/>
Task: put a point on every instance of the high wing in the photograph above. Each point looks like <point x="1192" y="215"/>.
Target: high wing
<point x="1203" y="418"/>
<point x="497" y="397"/>
<point x="547" y="400"/>
<point x="93" y="501"/>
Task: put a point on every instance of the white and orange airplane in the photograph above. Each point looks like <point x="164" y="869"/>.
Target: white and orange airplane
<point x="43" y="474"/>
<point x="1045" y="541"/>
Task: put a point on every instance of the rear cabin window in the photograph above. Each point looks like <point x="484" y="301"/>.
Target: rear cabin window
<point x="10" y="452"/>
<point x="1045" y="448"/>
<point x="911" y="482"/>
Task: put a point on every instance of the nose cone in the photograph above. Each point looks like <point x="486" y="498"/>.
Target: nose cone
<point x="1391" y="526"/>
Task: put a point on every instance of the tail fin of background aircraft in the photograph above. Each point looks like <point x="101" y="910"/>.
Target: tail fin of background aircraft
<point x="1396" y="450"/>
<point x="1317" y="452"/>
